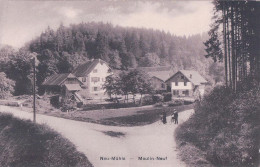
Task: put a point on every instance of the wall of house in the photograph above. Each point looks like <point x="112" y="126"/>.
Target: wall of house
<point x="201" y="89"/>
<point x="158" y="84"/>
<point x="94" y="82"/>
<point x="180" y="85"/>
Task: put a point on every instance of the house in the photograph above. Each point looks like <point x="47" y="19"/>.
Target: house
<point x="158" y="79"/>
<point x="54" y="83"/>
<point x="93" y="76"/>
<point x="85" y="82"/>
<point x="158" y="76"/>
<point x="186" y="83"/>
<point x="70" y="92"/>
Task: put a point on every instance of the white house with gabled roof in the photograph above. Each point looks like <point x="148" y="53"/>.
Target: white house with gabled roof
<point x="187" y="83"/>
<point x="93" y="76"/>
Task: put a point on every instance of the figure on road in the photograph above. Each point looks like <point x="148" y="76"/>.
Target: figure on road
<point x="164" y="117"/>
<point x="176" y="117"/>
<point x="173" y="116"/>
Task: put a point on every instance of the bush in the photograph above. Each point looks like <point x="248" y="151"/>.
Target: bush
<point x="87" y="107"/>
<point x="158" y="105"/>
<point x="147" y="100"/>
<point x="157" y="98"/>
<point x="176" y="102"/>
<point x="167" y="97"/>
<point x="225" y="126"/>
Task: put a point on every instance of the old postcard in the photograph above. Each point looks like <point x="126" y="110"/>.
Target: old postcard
<point x="132" y="83"/>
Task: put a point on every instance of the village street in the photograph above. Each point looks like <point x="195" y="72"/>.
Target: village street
<point x="154" y="140"/>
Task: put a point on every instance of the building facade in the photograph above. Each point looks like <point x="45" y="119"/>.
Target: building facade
<point x="93" y="76"/>
<point x="186" y="83"/>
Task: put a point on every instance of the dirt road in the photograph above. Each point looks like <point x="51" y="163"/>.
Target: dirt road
<point x="150" y="145"/>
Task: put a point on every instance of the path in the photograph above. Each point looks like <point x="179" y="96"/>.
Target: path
<point x="154" y="140"/>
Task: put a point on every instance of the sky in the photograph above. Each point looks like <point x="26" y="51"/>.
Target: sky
<point x="23" y="20"/>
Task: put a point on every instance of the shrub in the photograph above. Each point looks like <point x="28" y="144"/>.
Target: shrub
<point x="157" y="98"/>
<point x="158" y="105"/>
<point x="147" y="100"/>
<point x="176" y="102"/>
<point x="167" y="97"/>
<point x="225" y="126"/>
<point x="108" y="106"/>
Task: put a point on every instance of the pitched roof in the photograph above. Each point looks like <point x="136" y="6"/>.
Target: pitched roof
<point x="154" y="69"/>
<point x="162" y="75"/>
<point x="192" y="76"/>
<point x="56" y="79"/>
<point x="73" y="87"/>
<point x="86" y="68"/>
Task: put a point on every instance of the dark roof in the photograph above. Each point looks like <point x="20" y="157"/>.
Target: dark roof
<point x="73" y="87"/>
<point x="162" y="75"/>
<point x="86" y="68"/>
<point x="193" y="76"/>
<point x="56" y="79"/>
<point x="153" y="69"/>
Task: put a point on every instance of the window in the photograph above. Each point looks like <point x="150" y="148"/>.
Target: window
<point x="95" y="88"/>
<point x="185" y="83"/>
<point x="176" y="92"/>
<point x="95" y="71"/>
<point x="95" y="79"/>
<point x="182" y="77"/>
<point x="176" y="83"/>
<point x="163" y="86"/>
<point x="83" y="86"/>
<point x="84" y="79"/>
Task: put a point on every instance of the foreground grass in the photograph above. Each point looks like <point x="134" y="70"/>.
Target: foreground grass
<point x="25" y="144"/>
<point x="224" y="131"/>
<point x="144" y="117"/>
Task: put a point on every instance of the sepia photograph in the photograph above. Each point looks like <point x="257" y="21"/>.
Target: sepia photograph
<point x="129" y="83"/>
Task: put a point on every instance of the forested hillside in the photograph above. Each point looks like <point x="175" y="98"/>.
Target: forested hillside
<point x="61" y="50"/>
<point x="121" y="47"/>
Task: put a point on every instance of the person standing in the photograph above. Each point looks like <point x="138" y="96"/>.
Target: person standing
<point x="176" y="117"/>
<point x="164" y="118"/>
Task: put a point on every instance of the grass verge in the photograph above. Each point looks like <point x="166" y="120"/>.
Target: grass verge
<point x="25" y="144"/>
<point x="144" y="117"/>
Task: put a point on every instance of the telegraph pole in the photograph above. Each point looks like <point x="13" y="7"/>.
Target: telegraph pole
<point x="34" y="92"/>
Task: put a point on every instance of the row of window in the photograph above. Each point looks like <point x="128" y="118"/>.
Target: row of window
<point x="93" y="79"/>
<point x="177" y="83"/>
<point x="177" y="92"/>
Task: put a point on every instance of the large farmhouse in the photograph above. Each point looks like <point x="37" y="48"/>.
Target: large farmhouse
<point x="187" y="83"/>
<point x="85" y="82"/>
<point x="93" y="76"/>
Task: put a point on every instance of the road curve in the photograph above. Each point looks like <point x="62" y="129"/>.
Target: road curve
<point x="150" y="142"/>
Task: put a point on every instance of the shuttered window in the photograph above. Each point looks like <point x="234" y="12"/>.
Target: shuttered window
<point x="95" y="79"/>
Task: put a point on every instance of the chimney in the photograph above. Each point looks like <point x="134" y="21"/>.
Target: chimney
<point x="190" y="75"/>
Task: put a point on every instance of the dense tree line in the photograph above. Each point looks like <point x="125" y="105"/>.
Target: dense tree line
<point x="61" y="50"/>
<point x="120" y="47"/>
<point x="236" y="25"/>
